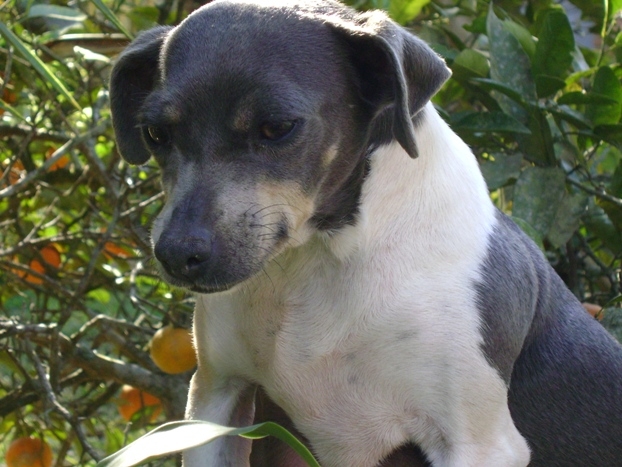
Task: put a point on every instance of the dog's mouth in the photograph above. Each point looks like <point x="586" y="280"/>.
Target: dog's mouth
<point x="201" y="289"/>
<point x="200" y="285"/>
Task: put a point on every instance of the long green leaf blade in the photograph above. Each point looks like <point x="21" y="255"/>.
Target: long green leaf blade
<point x="107" y="12"/>
<point x="178" y="436"/>
<point x="273" y="429"/>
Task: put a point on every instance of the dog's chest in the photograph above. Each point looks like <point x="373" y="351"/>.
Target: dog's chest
<point x="342" y="345"/>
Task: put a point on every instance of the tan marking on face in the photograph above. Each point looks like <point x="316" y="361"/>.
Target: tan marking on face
<point x="329" y="156"/>
<point x="171" y="113"/>
<point x="289" y="199"/>
<point x="243" y="117"/>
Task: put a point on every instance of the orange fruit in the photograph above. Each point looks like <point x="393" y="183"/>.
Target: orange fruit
<point x="172" y="351"/>
<point x="595" y="310"/>
<point x="36" y="266"/>
<point x="18" y="272"/>
<point x="112" y="250"/>
<point x="60" y="163"/>
<point x="9" y="96"/>
<point x="29" y="452"/>
<point x="51" y="255"/>
<point x="16" y="172"/>
<point x="133" y="400"/>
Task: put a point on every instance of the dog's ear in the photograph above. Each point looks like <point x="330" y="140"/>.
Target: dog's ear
<point x="394" y="68"/>
<point x="134" y="75"/>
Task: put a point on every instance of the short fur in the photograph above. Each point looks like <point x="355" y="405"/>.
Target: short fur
<point x="385" y="309"/>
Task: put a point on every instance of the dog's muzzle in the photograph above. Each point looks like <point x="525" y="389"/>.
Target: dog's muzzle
<point x="186" y="257"/>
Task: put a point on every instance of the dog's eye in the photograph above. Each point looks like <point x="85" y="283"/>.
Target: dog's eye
<point x="275" y="131"/>
<point x="158" y="135"/>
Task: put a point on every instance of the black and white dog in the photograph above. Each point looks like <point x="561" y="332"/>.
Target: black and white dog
<point x="346" y="255"/>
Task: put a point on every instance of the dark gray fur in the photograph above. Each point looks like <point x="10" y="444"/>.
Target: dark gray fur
<point x="564" y="369"/>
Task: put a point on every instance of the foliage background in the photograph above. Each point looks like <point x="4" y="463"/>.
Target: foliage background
<point x="535" y="91"/>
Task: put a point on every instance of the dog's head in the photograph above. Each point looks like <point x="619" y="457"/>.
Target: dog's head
<point x="261" y="115"/>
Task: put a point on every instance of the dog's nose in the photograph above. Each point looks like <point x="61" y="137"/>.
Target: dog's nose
<point x="184" y="256"/>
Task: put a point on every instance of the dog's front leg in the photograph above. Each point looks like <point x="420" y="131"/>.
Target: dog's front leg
<point x="226" y="402"/>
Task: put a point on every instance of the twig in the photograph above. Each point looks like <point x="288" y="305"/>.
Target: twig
<point x="73" y="142"/>
<point x="606" y="271"/>
<point x="58" y="407"/>
<point x="595" y="192"/>
<point x="142" y="204"/>
<point x="24" y="130"/>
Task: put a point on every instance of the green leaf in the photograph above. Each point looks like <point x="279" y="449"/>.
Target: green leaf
<point x="615" y="6"/>
<point x="502" y="170"/>
<point x="509" y="65"/>
<point x="478" y="26"/>
<point x="553" y="51"/>
<point x="537" y="195"/>
<point x="470" y="63"/>
<point x="490" y="122"/>
<point x="598" y="223"/>
<point x="615" y="186"/>
<point x="567" y="219"/>
<point x="492" y="85"/>
<point x="112" y="18"/>
<point x="522" y="35"/>
<point x="101" y="295"/>
<point x="144" y="17"/>
<point x="538" y="147"/>
<point x="572" y="116"/>
<point x="606" y="83"/>
<point x="404" y="11"/>
<point x="613" y="301"/>
<point x="610" y="133"/>
<point x="37" y="64"/>
<point x="179" y="436"/>
<point x="9" y="108"/>
<point x="581" y="98"/>
<point x="548" y="85"/>
<point x="56" y="12"/>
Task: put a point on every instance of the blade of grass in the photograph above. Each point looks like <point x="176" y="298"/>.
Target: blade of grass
<point x="112" y="17"/>
<point x="9" y="108"/>
<point x="37" y="64"/>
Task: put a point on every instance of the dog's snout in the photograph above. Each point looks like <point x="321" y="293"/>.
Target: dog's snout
<point x="185" y="255"/>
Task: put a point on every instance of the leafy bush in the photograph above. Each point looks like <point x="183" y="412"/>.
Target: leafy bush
<point x="542" y="113"/>
<point x="536" y="94"/>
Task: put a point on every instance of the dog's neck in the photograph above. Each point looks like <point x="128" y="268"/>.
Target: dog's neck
<point x="443" y="188"/>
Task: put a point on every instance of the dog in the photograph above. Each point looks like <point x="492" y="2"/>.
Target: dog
<point x="345" y="253"/>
